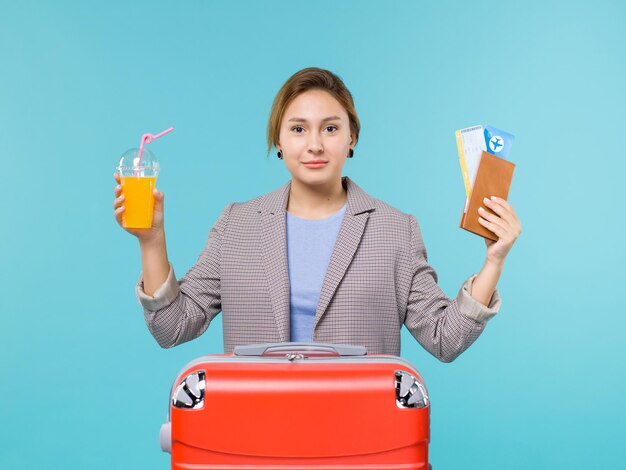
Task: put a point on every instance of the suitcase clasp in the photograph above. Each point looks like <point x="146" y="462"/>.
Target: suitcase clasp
<point x="410" y="392"/>
<point x="294" y="356"/>
<point x="190" y="392"/>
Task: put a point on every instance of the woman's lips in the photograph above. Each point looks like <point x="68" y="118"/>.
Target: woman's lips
<point x="315" y="164"/>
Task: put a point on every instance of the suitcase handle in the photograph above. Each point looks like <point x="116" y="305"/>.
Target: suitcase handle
<point x="304" y="349"/>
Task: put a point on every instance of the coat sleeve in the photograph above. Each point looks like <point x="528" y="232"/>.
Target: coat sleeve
<point x="180" y="311"/>
<point x="444" y="327"/>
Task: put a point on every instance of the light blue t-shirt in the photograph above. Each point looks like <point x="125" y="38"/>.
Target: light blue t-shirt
<point x="310" y="244"/>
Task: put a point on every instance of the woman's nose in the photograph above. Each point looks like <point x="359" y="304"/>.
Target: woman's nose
<point x="315" y="144"/>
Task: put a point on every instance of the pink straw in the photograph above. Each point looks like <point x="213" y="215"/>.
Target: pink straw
<point x="147" y="138"/>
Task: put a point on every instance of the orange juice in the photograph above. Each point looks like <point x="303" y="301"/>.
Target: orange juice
<point x="139" y="201"/>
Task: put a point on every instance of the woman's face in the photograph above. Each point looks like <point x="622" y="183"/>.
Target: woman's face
<point x="315" y="138"/>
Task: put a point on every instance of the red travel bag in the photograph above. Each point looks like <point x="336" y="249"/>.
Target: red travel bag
<point x="298" y="406"/>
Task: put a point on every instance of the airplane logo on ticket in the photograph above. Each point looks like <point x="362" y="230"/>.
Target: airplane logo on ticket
<point x="496" y="143"/>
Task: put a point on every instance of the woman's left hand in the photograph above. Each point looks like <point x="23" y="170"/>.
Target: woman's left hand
<point x="504" y="224"/>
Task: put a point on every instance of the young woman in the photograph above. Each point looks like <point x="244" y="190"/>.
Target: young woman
<point x="317" y="259"/>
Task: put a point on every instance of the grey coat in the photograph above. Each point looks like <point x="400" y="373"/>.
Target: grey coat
<point x="378" y="279"/>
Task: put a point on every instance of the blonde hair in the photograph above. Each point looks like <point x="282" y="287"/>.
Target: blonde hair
<point x="311" y="78"/>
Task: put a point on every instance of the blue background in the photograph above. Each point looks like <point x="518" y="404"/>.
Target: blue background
<point x="83" y="383"/>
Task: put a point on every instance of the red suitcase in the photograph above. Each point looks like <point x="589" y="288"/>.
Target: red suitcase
<point x="298" y="406"/>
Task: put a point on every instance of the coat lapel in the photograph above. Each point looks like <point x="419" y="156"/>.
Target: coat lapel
<point x="352" y="227"/>
<point x="272" y="210"/>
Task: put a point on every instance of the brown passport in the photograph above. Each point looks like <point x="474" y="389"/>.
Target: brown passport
<point x="493" y="178"/>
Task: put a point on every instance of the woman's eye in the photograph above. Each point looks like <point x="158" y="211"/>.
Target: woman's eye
<point x="298" y="129"/>
<point x="331" y="127"/>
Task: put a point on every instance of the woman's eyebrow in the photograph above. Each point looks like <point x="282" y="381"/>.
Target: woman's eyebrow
<point x="329" y="118"/>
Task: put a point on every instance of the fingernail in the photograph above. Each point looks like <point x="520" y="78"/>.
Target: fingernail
<point x="486" y="200"/>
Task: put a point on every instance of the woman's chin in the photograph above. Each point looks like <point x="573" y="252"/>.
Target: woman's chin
<point x="317" y="179"/>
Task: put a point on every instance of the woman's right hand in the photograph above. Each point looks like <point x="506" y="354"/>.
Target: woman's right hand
<point x="143" y="234"/>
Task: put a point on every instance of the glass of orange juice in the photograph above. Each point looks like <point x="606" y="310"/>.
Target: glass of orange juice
<point x="138" y="177"/>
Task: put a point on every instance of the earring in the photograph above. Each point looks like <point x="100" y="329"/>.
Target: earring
<point x="279" y="154"/>
<point x="351" y="153"/>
